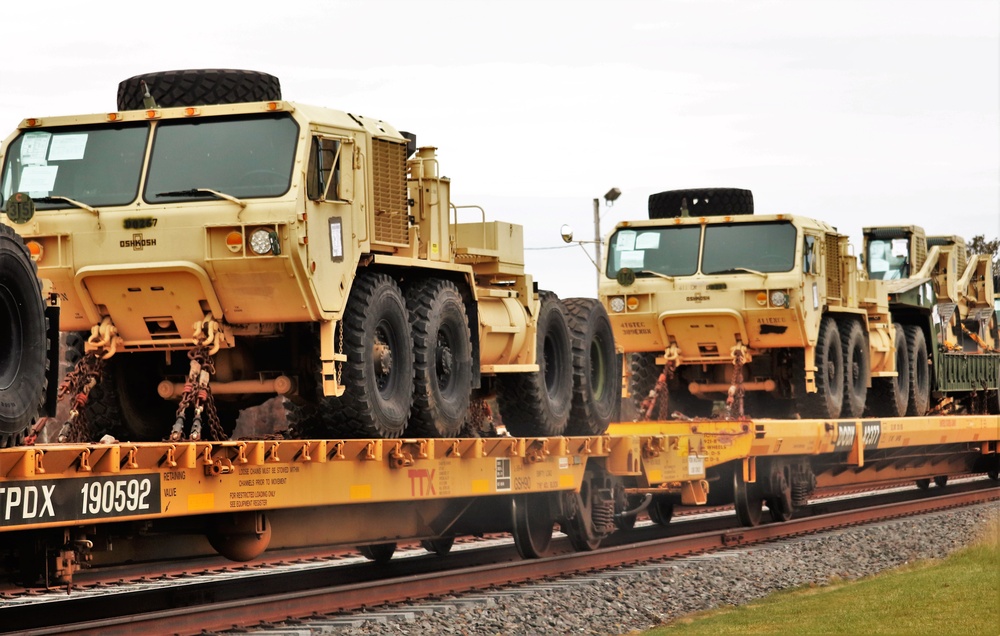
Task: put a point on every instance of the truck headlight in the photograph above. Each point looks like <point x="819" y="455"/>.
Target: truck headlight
<point x="617" y="304"/>
<point x="260" y="242"/>
<point x="779" y="298"/>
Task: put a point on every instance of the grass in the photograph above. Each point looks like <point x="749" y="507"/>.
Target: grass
<point x="958" y="595"/>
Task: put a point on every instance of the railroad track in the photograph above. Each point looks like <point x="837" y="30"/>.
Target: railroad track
<point x="193" y="602"/>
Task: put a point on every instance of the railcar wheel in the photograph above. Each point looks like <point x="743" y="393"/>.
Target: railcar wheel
<point x="597" y="387"/>
<point x="581" y="527"/>
<point x="539" y="403"/>
<point x="923" y="484"/>
<point x="440" y="547"/>
<point x="889" y="397"/>
<point x="661" y="511"/>
<point x="747" y="499"/>
<point x="24" y="341"/>
<point x="378" y="374"/>
<point x="378" y="552"/>
<point x="828" y="399"/>
<point x="442" y="352"/>
<point x="856" y="370"/>
<point x="920" y="374"/>
<point x="532" y="525"/>
<point x="941" y="481"/>
<point x="779" y="504"/>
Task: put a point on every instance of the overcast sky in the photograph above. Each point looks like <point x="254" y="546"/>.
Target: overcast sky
<point x="857" y="113"/>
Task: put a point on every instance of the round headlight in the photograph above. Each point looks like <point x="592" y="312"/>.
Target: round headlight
<point x="617" y="304"/>
<point x="260" y="242"/>
<point x="779" y="298"/>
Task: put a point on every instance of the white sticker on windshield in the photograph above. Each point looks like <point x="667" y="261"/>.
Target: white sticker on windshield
<point x="626" y="241"/>
<point x="68" y="147"/>
<point x="38" y="179"/>
<point x="33" y="148"/>
<point x="633" y="259"/>
<point x="647" y="241"/>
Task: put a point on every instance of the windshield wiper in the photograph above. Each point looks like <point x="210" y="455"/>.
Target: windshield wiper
<point x="733" y="270"/>
<point x="77" y="204"/>
<point x="658" y="274"/>
<point x="198" y="192"/>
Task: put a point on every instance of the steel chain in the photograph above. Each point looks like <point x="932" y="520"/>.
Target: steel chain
<point x="734" y="399"/>
<point x="198" y="397"/>
<point x="79" y="381"/>
<point x="659" y="397"/>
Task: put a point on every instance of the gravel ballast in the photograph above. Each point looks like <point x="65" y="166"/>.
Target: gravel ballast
<point x="640" y="597"/>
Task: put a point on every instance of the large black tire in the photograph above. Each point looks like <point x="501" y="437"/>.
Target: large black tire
<point x="378" y="374"/>
<point x="597" y="385"/>
<point x="889" y="397"/>
<point x="828" y="399"/>
<point x="198" y="87"/>
<point x="128" y="393"/>
<point x="24" y="341"/>
<point x="643" y="373"/>
<point x="539" y="403"/>
<point x="700" y="202"/>
<point x="442" y="352"/>
<point x="856" y="369"/>
<point x="920" y="371"/>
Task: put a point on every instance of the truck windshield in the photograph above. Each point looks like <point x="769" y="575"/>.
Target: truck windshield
<point x="96" y="165"/>
<point x="672" y="251"/>
<point x="761" y="247"/>
<point x="242" y="156"/>
<point x="888" y="259"/>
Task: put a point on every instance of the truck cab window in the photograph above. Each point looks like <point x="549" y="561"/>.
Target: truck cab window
<point x="324" y="169"/>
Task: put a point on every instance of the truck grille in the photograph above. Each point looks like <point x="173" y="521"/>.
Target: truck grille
<point x="833" y="283"/>
<point x="389" y="185"/>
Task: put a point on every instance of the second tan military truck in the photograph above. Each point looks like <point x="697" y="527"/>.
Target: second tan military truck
<point x="775" y="307"/>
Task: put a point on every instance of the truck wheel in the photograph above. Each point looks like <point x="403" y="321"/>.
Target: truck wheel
<point x="442" y="351"/>
<point x="826" y="402"/>
<point x="597" y="386"/>
<point x="890" y="396"/>
<point x="700" y="202"/>
<point x="197" y="87"/>
<point x="378" y="374"/>
<point x="539" y="403"/>
<point x="856" y="370"/>
<point x="24" y="341"/>
<point x="920" y="373"/>
<point x="643" y="373"/>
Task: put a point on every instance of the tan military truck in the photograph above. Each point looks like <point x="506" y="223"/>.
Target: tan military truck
<point x="772" y="303"/>
<point x="728" y="299"/>
<point x="216" y="245"/>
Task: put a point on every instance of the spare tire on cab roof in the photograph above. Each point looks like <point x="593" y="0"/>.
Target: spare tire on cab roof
<point x="198" y="87"/>
<point x="700" y="202"/>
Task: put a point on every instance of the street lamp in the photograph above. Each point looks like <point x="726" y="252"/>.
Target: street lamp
<point x="610" y="197"/>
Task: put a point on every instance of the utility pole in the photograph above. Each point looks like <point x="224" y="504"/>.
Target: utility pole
<point x="597" y="240"/>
